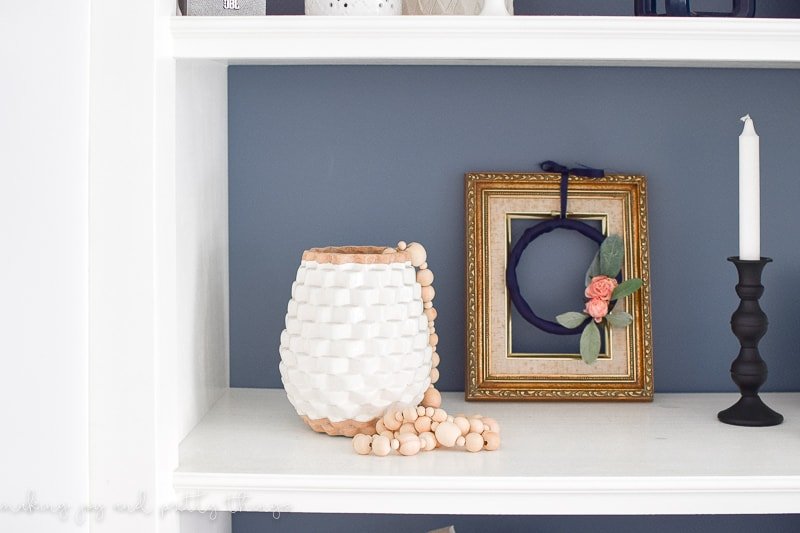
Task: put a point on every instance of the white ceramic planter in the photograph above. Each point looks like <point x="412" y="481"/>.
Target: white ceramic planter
<point x="356" y="338"/>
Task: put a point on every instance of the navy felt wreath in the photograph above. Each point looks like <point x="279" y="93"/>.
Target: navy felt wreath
<point x="532" y="233"/>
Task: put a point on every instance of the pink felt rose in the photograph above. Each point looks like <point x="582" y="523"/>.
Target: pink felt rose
<point x="601" y="287"/>
<point x="596" y="308"/>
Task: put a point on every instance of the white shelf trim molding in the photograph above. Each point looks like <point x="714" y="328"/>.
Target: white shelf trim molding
<point x="251" y="452"/>
<point x="632" y="41"/>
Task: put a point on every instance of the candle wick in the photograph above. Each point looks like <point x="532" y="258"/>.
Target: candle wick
<point x="745" y="118"/>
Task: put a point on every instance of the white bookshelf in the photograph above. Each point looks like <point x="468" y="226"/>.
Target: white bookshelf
<point x="158" y="292"/>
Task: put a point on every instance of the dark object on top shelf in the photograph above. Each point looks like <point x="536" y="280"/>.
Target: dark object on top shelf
<point x="223" y="7"/>
<point x="682" y="8"/>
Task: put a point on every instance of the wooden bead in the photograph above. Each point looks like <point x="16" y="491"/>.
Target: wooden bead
<point x="432" y="398"/>
<point x="424" y="277"/>
<point x="475" y="425"/>
<point x="428" y="441"/>
<point x="381" y="446"/>
<point x="462" y="423"/>
<point x="474" y="442"/>
<point x="390" y="422"/>
<point x="435" y="359"/>
<point x="434" y="375"/>
<point x="431" y="330"/>
<point x="422" y="424"/>
<point x="429" y="411"/>
<point x="428" y="294"/>
<point x="427" y="305"/>
<point x="388" y="434"/>
<point x="450" y="418"/>
<point x="434" y="425"/>
<point x="409" y="444"/>
<point x="402" y="245"/>
<point x="417" y="253"/>
<point x="407" y="427"/>
<point x="398" y="415"/>
<point x="491" y="440"/>
<point x="431" y="314"/>
<point x="433" y="340"/>
<point x="447" y="433"/>
<point x="362" y="444"/>
<point x="379" y="427"/>
<point x="491" y="424"/>
<point x="410" y="414"/>
<point x="423" y="266"/>
<point x="439" y="415"/>
<point x="420" y="411"/>
<point x="395" y="443"/>
<point x="460" y="441"/>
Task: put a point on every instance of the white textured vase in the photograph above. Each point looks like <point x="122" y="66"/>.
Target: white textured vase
<point x="356" y="338"/>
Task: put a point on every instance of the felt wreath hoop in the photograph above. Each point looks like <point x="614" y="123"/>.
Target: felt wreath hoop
<point x="604" y="285"/>
<point x="514" y="257"/>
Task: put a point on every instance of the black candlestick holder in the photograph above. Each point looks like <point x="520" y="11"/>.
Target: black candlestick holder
<point x="749" y="372"/>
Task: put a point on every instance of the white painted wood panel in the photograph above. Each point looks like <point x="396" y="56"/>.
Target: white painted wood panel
<point x="668" y="457"/>
<point x="44" y="279"/>
<point x="201" y="197"/>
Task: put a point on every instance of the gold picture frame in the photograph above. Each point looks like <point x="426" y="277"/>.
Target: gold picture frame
<point x="493" y="371"/>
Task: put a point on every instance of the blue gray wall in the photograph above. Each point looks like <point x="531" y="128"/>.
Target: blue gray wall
<point x="340" y="155"/>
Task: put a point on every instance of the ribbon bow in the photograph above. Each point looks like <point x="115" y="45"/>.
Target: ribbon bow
<point x="552" y="166"/>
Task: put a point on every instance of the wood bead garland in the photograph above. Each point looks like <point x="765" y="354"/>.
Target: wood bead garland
<point x="491" y="440"/>
<point x="425" y="277"/>
<point x="362" y="444"/>
<point x="422" y="424"/>
<point x="409" y="444"/>
<point x="428" y="294"/>
<point x="381" y="446"/>
<point x="432" y="397"/>
<point x="418" y="258"/>
<point x="431" y="314"/>
<point x="426" y="428"/>
<point x="463" y="424"/>
<point x="417" y="253"/>
<point x="447" y="433"/>
<point x="474" y="442"/>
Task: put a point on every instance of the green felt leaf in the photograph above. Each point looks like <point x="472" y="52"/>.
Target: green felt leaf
<point x="611" y="252"/>
<point x="590" y="343"/>
<point x="619" y="319"/>
<point x="571" y="319"/>
<point x="626" y="288"/>
<point x="594" y="268"/>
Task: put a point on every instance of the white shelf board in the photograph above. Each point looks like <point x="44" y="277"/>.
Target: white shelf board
<point x="624" y="41"/>
<point x="252" y="452"/>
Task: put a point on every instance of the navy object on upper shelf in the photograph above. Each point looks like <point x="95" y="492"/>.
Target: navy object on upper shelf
<point x="682" y="8"/>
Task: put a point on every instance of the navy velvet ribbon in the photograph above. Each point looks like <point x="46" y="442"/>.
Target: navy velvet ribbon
<point x="562" y="222"/>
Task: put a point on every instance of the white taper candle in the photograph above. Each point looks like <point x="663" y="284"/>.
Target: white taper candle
<point x="749" y="195"/>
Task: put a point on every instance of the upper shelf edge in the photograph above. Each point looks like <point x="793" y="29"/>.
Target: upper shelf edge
<point x="627" y="41"/>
